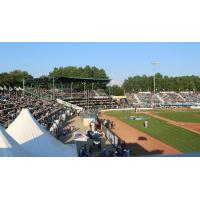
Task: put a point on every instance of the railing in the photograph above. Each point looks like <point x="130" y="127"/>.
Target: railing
<point x="50" y="115"/>
<point x="69" y="105"/>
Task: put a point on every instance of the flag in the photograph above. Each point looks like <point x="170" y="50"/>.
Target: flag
<point x="5" y="88"/>
<point x="10" y="88"/>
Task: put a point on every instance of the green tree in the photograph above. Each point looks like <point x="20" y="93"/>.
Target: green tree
<point x="14" y="78"/>
<point x="166" y="83"/>
<point x="82" y="72"/>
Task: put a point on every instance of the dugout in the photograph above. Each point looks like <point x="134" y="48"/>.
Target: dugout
<point x="176" y="105"/>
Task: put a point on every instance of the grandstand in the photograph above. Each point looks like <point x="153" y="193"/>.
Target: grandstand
<point x="11" y="104"/>
<point x="191" y="97"/>
<point x="39" y="96"/>
<point x="87" y="93"/>
<point x="149" y="99"/>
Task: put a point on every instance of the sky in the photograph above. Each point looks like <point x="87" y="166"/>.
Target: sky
<point x="120" y="60"/>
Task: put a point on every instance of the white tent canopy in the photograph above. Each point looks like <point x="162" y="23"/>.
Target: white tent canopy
<point x="26" y="130"/>
<point x="9" y="147"/>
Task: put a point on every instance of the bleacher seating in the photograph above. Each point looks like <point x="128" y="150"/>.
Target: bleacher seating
<point x="172" y="98"/>
<point x="96" y="99"/>
<point x="94" y="103"/>
<point x="149" y="99"/>
<point x="146" y="99"/>
<point x="191" y="97"/>
<point x="11" y="104"/>
<point x="132" y="99"/>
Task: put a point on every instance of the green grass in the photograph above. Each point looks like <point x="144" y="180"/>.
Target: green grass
<point x="181" y="116"/>
<point x="179" y="138"/>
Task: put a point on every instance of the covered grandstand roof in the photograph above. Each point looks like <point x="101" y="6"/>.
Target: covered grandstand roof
<point x="64" y="79"/>
<point x="77" y="79"/>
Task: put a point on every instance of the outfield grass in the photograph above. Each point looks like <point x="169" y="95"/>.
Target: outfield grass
<point x="179" y="138"/>
<point x="181" y="116"/>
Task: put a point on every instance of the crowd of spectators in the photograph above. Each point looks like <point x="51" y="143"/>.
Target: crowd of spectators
<point x="191" y="97"/>
<point x="12" y="102"/>
<point x="146" y="99"/>
<point x="150" y="99"/>
<point x="172" y="98"/>
<point x="62" y="93"/>
<point x="131" y="97"/>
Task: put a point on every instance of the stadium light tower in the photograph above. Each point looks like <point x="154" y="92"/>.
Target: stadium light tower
<point x="155" y="63"/>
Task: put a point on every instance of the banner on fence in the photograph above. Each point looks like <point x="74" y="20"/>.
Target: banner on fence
<point x="112" y="138"/>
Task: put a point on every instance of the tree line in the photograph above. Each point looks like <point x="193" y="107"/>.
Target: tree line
<point x="163" y="83"/>
<point x="14" y="78"/>
<point x="135" y="83"/>
<point x="81" y="72"/>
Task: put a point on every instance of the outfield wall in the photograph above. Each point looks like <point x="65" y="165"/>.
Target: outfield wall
<point x="126" y="109"/>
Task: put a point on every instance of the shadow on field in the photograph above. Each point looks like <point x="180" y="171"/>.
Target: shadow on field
<point x="142" y="138"/>
<point x="138" y="150"/>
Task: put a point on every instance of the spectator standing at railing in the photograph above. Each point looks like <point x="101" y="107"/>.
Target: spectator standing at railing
<point x="92" y="126"/>
<point x="97" y="124"/>
<point x="112" y="125"/>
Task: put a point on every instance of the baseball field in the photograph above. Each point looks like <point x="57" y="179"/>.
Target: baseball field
<point x="177" y="137"/>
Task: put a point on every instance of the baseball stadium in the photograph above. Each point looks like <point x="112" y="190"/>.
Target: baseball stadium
<point x="78" y="112"/>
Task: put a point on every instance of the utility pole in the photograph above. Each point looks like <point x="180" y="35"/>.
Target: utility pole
<point x="71" y="88"/>
<point x="53" y="88"/>
<point x="23" y="87"/>
<point x="88" y="99"/>
<point x="109" y="90"/>
<point x="62" y="89"/>
<point x="84" y="89"/>
<point x="154" y="63"/>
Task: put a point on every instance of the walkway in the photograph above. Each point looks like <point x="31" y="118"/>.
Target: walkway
<point x="77" y="123"/>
